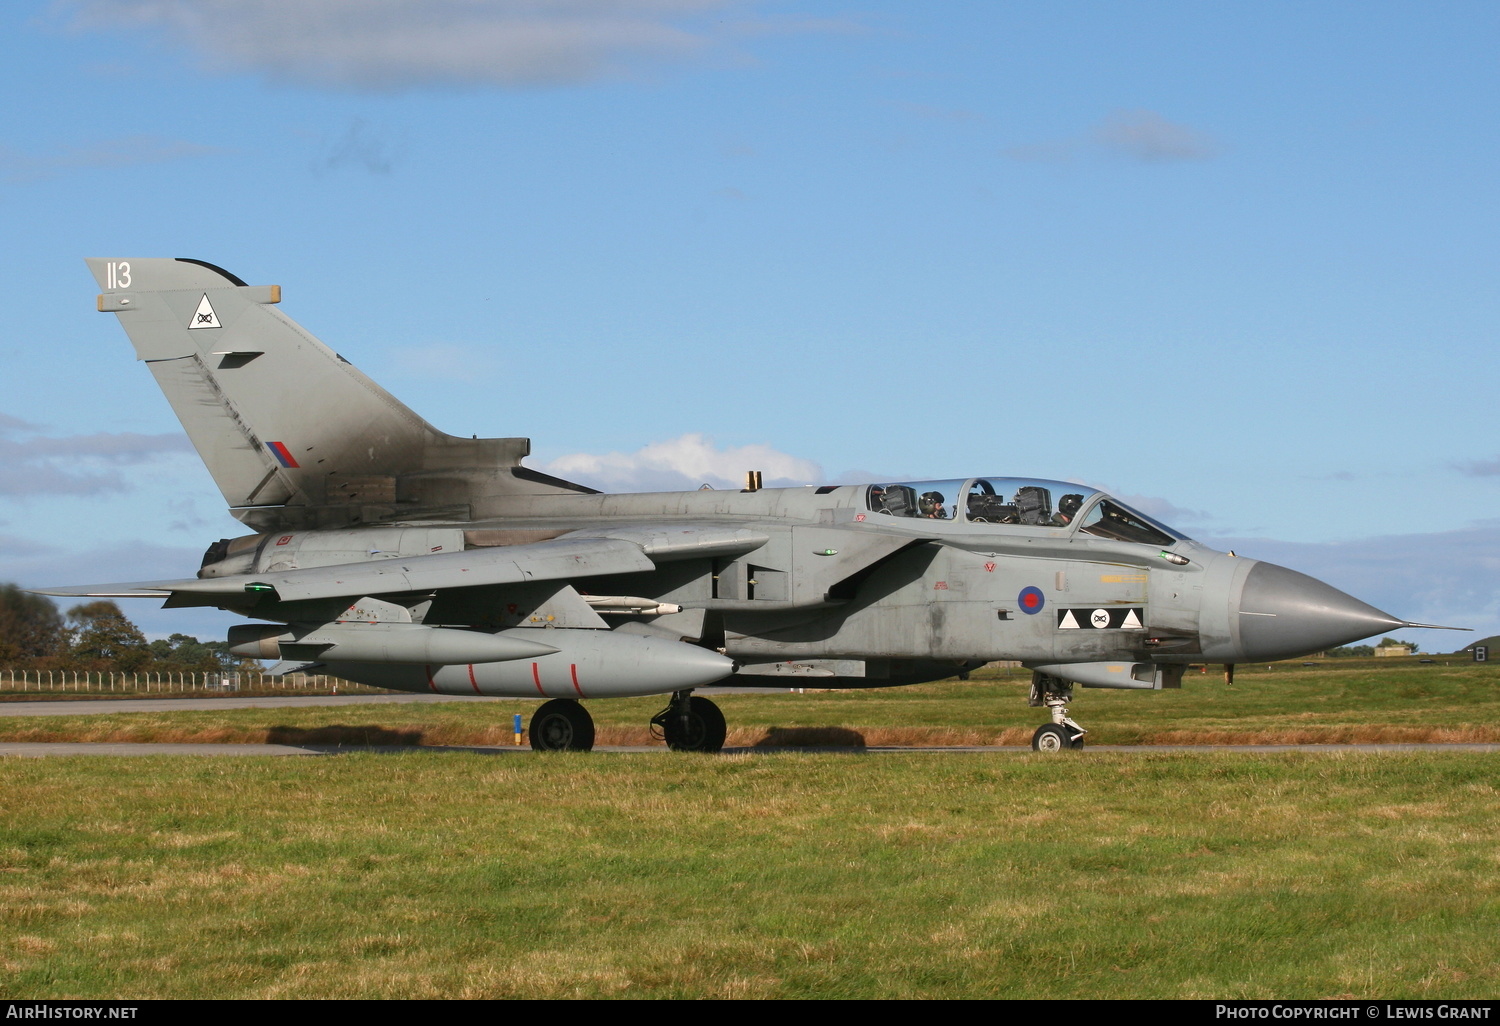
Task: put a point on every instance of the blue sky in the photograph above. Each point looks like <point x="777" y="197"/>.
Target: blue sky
<point x="1236" y="261"/>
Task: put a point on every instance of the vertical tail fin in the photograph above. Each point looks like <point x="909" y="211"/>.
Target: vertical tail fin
<point x="293" y="434"/>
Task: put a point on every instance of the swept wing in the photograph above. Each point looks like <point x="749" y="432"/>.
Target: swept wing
<point x="619" y="551"/>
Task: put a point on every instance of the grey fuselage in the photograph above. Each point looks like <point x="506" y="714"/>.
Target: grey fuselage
<point x="396" y="554"/>
<point x="842" y="594"/>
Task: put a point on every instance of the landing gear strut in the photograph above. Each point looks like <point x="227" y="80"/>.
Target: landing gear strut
<point x="1055" y="693"/>
<point x="691" y="724"/>
<point x="562" y="725"/>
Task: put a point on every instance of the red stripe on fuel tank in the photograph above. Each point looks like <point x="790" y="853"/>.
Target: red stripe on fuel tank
<point x="472" y="682"/>
<point x="431" y="684"/>
<point x="573" y="668"/>
<point x="536" y="676"/>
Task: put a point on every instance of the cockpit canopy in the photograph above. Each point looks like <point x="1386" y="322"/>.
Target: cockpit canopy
<point x="1020" y="502"/>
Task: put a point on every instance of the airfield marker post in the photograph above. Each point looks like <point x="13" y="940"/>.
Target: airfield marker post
<point x="517" y="727"/>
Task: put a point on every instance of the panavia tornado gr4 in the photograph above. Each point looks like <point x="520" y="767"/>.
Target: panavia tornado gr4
<point x="389" y="553"/>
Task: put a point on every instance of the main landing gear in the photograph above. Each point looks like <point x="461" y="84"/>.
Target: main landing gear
<point x="1062" y="733"/>
<point x="690" y="724"/>
<point x="562" y="725"/>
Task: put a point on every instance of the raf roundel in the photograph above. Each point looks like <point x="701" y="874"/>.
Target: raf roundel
<point x="1031" y="600"/>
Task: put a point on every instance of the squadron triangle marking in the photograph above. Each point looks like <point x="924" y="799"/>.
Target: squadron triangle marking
<point x="1113" y="618"/>
<point x="204" y="316"/>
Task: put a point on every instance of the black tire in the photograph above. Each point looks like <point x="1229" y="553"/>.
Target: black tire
<point x="562" y="725"/>
<point x="705" y="731"/>
<point x="1051" y="737"/>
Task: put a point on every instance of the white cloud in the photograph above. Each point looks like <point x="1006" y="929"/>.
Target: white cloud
<point x="16" y="166"/>
<point x="1169" y="513"/>
<point x="1480" y="468"/>
<point x="397" y="44"/>
<point x="1146" y="135"/>
<point x="683" y="463"/>
<point x="9" y="424"/>
<point x="35" y="564"/>
<point x="1142" y="135"/>
<point x="75" y="464"/>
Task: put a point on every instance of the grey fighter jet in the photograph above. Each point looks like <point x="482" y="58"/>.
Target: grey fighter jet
<point x="386" y="552"/>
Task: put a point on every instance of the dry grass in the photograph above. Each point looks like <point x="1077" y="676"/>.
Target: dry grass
<point x="430" y="875"/>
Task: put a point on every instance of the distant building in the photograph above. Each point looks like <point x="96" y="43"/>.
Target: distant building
<point x="1393" y="650"/>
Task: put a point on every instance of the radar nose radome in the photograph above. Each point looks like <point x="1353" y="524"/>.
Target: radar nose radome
<point x="1284" y="614"/>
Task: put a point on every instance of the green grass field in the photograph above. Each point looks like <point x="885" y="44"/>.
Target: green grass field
<point x="1340" y="701"/>
<point x="442" y="874"/>
<point x="434" y="873"/>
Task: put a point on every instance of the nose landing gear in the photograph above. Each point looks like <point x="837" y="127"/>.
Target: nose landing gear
<point x="1062" y="733"/>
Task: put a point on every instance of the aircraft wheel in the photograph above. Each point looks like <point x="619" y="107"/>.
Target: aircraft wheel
<point x="1051" y="737"/>
<point x="704" y="731"/>
<point x="562" y="725"/>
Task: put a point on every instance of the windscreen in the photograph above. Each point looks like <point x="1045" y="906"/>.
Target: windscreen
<point x="1110" y="519"/>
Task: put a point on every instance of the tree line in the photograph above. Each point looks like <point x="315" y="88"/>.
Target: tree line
<point x="97" y="636"/>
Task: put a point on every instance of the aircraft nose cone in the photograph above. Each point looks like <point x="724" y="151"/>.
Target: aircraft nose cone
<point x="1284" y="614"/>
